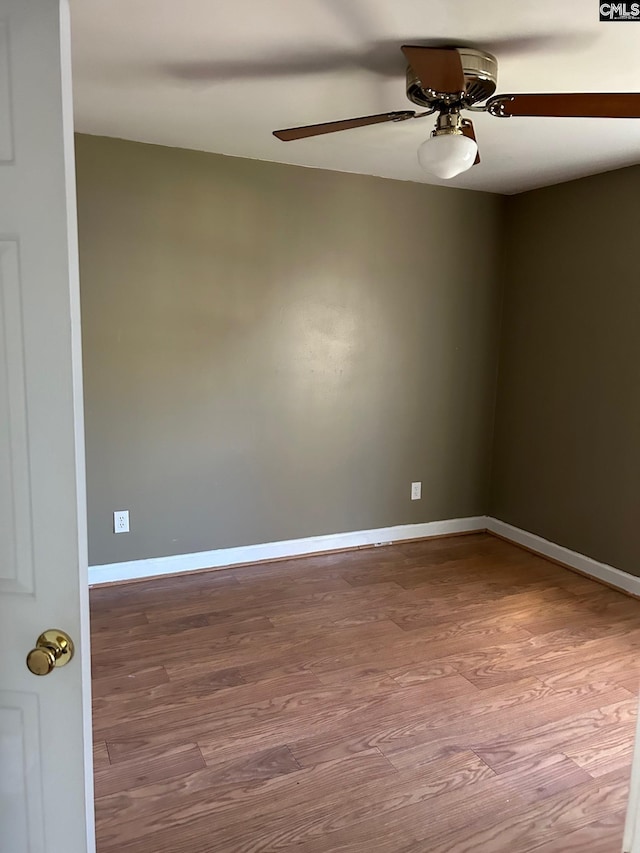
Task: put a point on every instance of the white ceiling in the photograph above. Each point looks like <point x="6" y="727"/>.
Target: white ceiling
<point x="220" y="75"/>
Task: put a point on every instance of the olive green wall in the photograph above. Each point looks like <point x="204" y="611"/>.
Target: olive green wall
<point x="273" y="352"/>
<point x="567" y="439"/>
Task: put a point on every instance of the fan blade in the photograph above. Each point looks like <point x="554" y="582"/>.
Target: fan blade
<point x="468" y="131"/>
<point x="541" y="43"/>
<point x="560" y="105"/>
<point x="437" y="68"/>
<point x="292" y="133"/>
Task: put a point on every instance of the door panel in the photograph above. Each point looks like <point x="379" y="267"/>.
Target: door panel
<point x="21" y="816"/>
<point x="46" y="795"/>
<point x="16" y="554"/>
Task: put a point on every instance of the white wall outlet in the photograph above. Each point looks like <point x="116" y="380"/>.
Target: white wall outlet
<point x="121" y="521"/>
<point x="416" y="491"/>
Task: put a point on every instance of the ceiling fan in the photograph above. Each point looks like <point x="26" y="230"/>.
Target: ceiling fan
<point x="449" y="80"/>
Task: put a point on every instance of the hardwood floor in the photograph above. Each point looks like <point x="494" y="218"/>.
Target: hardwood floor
<point x="448" y="696"/>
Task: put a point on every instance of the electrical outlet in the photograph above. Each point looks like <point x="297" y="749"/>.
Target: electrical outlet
<point x="416" y="491"/>
<point x="121" y="521"/>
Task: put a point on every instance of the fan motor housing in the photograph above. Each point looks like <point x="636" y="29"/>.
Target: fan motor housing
<point x="480" y="75"/>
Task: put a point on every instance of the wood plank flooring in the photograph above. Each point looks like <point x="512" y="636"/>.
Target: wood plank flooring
<point x="449" y="696"/>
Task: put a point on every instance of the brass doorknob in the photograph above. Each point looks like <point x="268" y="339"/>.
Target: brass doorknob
<point x="53" y="648"/>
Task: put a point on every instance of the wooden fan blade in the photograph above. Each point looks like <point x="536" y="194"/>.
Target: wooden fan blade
<point x="560" y="105"/>
<point x="437" y="68"/>
<point x="292" y="133"/>
<point x="468" y="131"/>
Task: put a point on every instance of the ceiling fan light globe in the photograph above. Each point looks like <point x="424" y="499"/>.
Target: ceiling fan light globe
<point x="447" y="155"/>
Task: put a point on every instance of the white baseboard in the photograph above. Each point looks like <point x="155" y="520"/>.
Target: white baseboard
<point x="223" y="558"/>
<point x="226" y="557"/>
<point x="600" y="571"/>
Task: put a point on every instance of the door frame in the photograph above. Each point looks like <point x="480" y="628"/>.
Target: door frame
<point x="78" y="400"/>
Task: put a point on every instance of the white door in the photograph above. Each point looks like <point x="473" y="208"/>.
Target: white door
<point x="46" y="797"/>
<point x="631" y="842"/>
